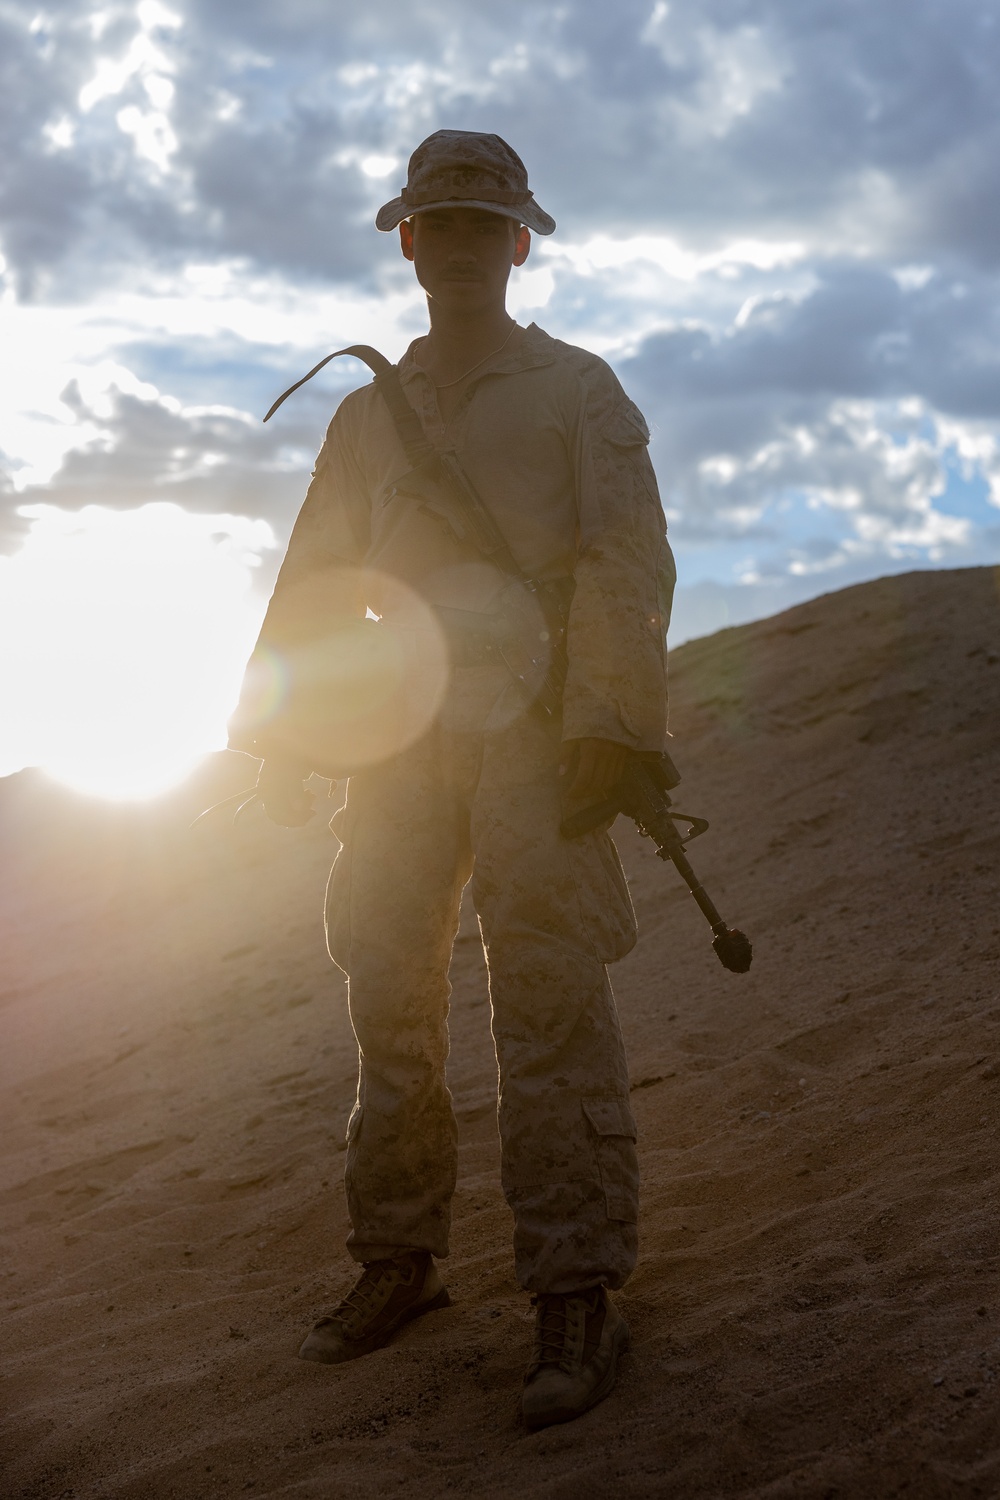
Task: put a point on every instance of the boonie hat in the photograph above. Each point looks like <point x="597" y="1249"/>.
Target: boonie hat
<point x="468" y="169"/>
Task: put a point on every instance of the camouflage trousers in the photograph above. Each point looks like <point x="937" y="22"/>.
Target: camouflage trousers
<point x="478" y="798"/>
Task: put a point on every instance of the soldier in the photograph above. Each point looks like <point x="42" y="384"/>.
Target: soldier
<point x="558" y="453"/>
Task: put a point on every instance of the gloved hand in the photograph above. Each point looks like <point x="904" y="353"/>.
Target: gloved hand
<point x="282" y="793"/>
<point x="592" y="768"/>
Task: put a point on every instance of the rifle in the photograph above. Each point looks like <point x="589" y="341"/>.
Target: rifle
<point x="643" y="793"/>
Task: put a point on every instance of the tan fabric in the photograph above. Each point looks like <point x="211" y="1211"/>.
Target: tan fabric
<point x="466" y="168"/>
<point x="559" y="454"/>
<point x="479" y="796"/>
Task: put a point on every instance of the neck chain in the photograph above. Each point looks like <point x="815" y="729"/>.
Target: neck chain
<point x="444" y="385"/>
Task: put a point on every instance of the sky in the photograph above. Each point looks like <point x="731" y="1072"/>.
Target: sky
<point x="779" y="220"/>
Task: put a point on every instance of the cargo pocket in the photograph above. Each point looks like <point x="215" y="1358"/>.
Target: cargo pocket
<point x="613" y="1125"/>
<point x="603" y="893"/>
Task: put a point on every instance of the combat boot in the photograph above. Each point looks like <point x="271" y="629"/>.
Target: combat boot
<point x="386" y="1295"/>
<point x="578" y="1339"/>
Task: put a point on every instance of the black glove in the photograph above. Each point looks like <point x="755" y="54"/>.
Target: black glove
<point x="282" y="793"/>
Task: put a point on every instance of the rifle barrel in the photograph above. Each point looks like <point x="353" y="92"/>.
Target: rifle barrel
<point x="694" y="885"/>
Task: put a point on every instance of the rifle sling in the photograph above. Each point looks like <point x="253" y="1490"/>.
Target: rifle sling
<point x="442" y="469"/>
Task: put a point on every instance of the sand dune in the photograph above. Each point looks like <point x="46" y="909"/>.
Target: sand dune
<point x="815" y="1311"/>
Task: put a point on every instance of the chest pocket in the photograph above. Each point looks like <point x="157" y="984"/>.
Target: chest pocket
<point x="413" y="495"/>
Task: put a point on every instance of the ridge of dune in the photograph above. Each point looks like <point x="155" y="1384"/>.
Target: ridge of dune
<point x="815" y="1310"/>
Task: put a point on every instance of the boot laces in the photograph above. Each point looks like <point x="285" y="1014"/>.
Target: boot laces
<point x="359" y="1304"/>
<point x="554" y="1317"/>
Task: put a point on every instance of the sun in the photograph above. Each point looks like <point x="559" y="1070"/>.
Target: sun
<point x="127" y="633"/>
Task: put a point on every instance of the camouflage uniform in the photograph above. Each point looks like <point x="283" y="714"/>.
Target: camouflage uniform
<point x="558" y="453"/>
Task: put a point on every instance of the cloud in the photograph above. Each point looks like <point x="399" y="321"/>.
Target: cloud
<point x="244" y="131"/>
<point x="139" y="447"/>
<point x="828" y="426"/>
<point x="780" y="222"/>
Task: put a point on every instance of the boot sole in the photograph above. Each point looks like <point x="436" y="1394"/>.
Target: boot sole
<point x="359" y="1347"/>
<point x="555" y="1414"/>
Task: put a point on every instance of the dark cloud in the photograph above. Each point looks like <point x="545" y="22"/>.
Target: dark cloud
<point x="208" y="460"/>
<point x="859" y="333"/>
<point x="817" y="394"/>
<point x="836" y="94"/>
<point x="867" y="132"/>
<point x="713" y="118"/>
<point x="43" y="195"/>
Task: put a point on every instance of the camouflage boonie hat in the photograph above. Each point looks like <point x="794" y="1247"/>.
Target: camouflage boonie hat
<point x="464" y="168"/>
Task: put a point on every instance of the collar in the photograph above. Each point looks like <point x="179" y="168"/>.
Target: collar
<point x="535" y="349"/>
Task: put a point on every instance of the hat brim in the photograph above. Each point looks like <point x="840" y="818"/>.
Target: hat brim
<point x="529" y="213"/>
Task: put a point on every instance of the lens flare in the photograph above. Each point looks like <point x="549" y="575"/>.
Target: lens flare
<point x="345" y="692"/>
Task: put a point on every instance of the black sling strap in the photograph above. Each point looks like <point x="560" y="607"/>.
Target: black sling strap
<point x="541" y="673"/>
<point x="442" y="468"/>
<point x="643" y="793"/>
<point x="375" y="361"/>
<point x="411" y="433"/>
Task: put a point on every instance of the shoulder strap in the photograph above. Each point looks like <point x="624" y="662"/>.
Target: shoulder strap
<point x="443" y="467"/>
<point x="375" y="361"/>
<point x="546" y="670"/>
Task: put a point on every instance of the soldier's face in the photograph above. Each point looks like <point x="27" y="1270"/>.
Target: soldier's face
<point x="463" y="256"/>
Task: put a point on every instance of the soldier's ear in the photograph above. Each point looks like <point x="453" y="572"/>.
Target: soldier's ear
<point x="406" y="239"/>
<point x="522" y="245"/>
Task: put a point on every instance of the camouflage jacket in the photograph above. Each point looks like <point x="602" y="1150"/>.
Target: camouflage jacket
<point x="558" y="453"/>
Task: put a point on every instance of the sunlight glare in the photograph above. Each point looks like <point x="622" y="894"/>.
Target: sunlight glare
<point x="128" y="633"/>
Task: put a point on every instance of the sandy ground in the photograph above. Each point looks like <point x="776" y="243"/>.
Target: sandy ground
<point x="815" y="1310"/>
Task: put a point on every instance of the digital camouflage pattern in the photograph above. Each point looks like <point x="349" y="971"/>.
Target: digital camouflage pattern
<point x="558" y="453"/>
<point x="470" y="169"/>
<point x="479" y="797"/>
